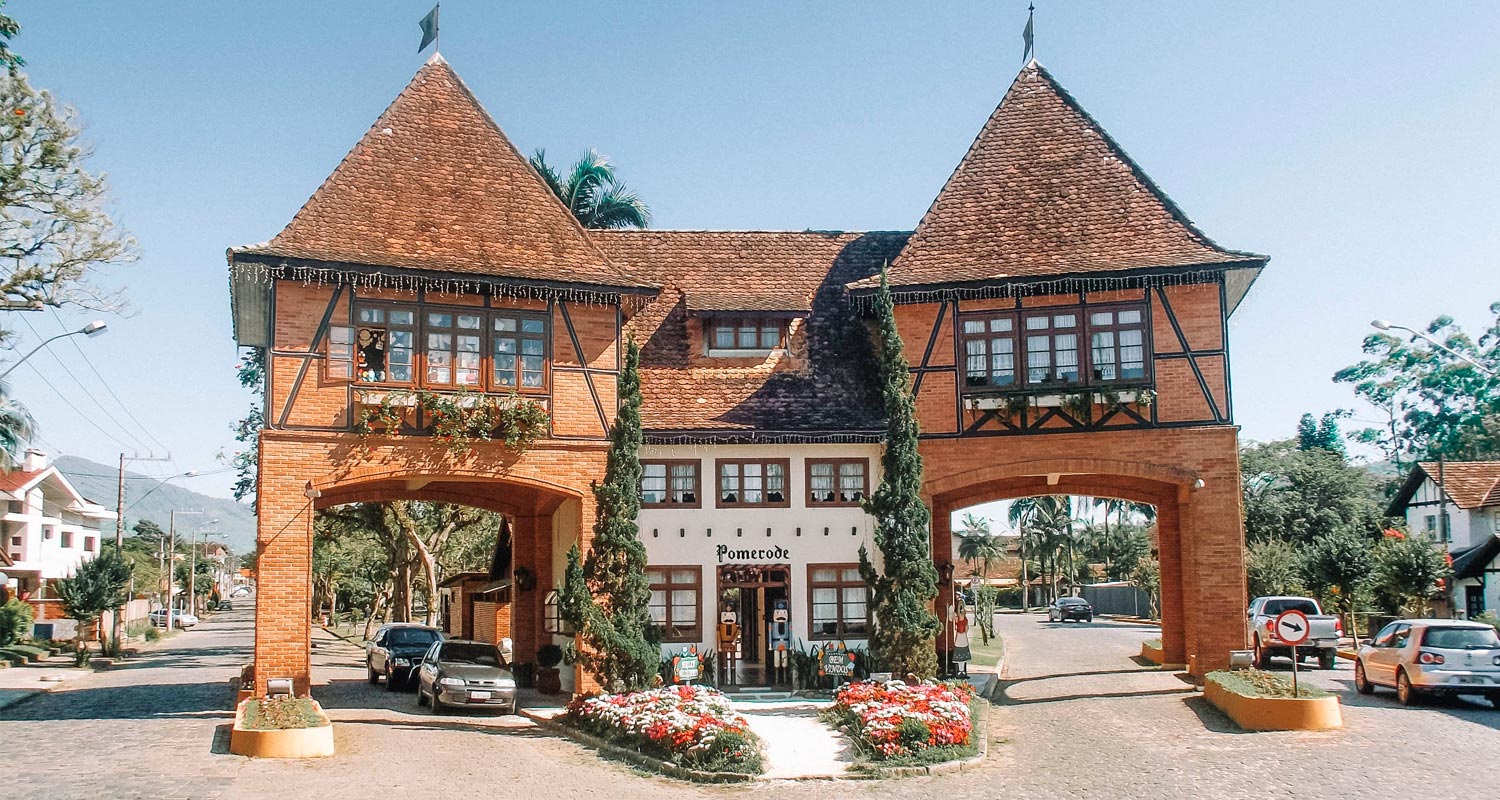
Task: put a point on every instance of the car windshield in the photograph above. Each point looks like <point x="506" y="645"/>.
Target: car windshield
<point x="412" y="637"/>
<point x="1280" y="604"/>
<point x="1072" y="601"/>
<point x="470" y="653"/>
<point x="1461" y="638"/>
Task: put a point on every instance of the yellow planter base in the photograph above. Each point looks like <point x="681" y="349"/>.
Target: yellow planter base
<point x="294" y="743"/>
<point x="1275" y="713"/>
<point x="1152" y="653"/>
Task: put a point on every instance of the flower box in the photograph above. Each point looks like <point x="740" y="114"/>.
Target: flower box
<point x="1152" y="651"/>
<point x="1254" y="709"/>
<point x="691" y="726"/>
<point x="258" y="734"/>
<point x="896" y="720"/>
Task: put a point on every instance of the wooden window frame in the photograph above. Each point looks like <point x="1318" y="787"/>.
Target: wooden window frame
<point x="487" y="335"/>
<point x="813" y="634"/>
<point x="453" y="332"/>
<point x="836" y="463"/>
<point x="1017" y="352"/>
<point x="669" y="463"/>
<point x="694" y="634"/>
<point x="552" y="619"/>
<point x="1084" y="329"/>
<point x="737" y="321"/>
<point x="1076" y="330"/>
<point x="786" y="492"/>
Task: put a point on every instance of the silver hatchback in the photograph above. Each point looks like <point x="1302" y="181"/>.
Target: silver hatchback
<point x="460" y="673"/>
<point x="1431" y="656"/>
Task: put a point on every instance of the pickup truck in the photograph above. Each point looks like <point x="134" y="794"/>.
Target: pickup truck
<point x="1322" y="639"/>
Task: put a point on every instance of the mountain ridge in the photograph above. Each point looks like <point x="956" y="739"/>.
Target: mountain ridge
<point x="144" y="500"/>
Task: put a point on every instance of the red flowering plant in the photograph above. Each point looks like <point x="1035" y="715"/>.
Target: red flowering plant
<point x="896" y="719"/>
<point x="692" y="726"/>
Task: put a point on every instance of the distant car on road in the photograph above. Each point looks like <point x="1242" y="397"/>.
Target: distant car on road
<point x="395" y="650"/>
<point x="1322" y="640"/>
<point x="461" y="673"/>
<point x="225" y="605"/>
<point x="1066" y="608"/>
<point x="243" y="591"/>
<point x="1419" y="657"/>
<point x="180" y="619"/>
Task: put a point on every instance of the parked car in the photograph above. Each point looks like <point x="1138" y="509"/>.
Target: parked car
<point x="180" y="619"/>
<point x="1431" y="656"/>
<point x="394" y="651"/>
<point x="225" y="605"/>
<point x="1066" y="608"/>
<point x="243" y="591"/>
<point x="462" y="673"/>
<point x="1322" y="639"/>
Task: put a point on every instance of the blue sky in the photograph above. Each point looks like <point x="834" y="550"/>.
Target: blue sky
<point x="1353" y="142"/>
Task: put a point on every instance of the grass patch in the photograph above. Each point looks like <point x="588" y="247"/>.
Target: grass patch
<point x="987" y="654"/>
<point x="1258" y="683"/>
<point x="1153" y="643"/>
<point x="282" y="714"/>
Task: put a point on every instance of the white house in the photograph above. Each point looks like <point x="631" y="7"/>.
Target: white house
<point x="48" y="529"/>
<point x="1470" y="493"/>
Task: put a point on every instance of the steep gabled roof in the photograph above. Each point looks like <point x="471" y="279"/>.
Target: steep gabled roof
<point x="436" y="185"/>
<point x="1044" y="191"/>
<point x="747" y="270"/>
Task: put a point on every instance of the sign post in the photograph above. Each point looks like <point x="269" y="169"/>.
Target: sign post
<point x="1292" y="628"/>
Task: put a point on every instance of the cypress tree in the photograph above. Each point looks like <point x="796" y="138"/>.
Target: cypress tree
<point x="904" y="590"/>
<point x="606" y="597"/>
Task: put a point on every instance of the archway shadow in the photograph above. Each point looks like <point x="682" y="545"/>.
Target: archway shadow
<point x="1002" y="694"/>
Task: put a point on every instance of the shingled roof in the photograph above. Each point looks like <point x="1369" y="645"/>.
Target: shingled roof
<point x="1044" y="191"/>
<point x="826" y="386"/>
<point x="436" y="185"/>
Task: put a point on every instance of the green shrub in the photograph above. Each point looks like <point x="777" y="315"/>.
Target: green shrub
<point x="15" y="622"/>
<point x="731" y="751"/>
<point x="913" y="734"/>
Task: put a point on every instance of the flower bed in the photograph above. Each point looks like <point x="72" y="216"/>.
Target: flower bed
<point x="690" y="726"/>
<point x="1263" y="701"/>
<point x="285" y="727"/>
<point x="907" y="723"/>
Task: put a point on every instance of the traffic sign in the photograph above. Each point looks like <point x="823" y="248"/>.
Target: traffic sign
<point x="1292" y="627"/>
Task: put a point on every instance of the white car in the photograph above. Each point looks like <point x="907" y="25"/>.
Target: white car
<point x="1431" y="656"/>
<point x="243" y="591"/>
<point x="180" y="619"/>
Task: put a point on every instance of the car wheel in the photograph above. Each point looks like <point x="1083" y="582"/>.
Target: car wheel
<point x="1405" y="694"/>
<point x="437" y="705"/>
<point x="1327" y="659"/>
<point x="1361" y="683"/>
<point x="372" y="676"/>
<point x="1494" y="699"/>
<point x="1262" y="655"/>
<point x="1089" y="619"/>
<point x="390" y="679"/>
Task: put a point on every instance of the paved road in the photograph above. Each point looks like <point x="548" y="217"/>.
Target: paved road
<point x="1077" y="718"/>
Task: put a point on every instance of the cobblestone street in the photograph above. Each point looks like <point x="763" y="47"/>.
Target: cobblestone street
<point x="1077" y="717"/>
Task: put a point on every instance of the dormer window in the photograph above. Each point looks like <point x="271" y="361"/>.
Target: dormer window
<point x="745" y="335"/>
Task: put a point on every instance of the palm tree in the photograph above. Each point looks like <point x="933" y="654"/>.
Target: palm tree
<point x="982" y="546"/>
<point x="1046" y="523"/>
<point x="16" y="429"/>
<point x="593" y="193"/>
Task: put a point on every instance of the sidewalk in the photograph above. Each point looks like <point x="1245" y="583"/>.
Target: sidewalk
<point x="19" y="683"/>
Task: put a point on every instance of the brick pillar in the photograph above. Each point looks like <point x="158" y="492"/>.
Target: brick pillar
<point x="1169" y="557"/>
<point x="1214" y="521"/>
<point x="531" y="539"/>
<point x="283" y="596"/>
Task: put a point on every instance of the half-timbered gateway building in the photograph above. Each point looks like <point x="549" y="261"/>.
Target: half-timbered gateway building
<point x="1065" y="322"/>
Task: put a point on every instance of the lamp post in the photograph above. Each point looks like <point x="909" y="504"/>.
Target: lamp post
<point x="90" y="330"/>
<point x="193" y="567"/>
<point x="119" y="618"/>
<point x="1387" y="325"/>
<point x="171" y="548"/>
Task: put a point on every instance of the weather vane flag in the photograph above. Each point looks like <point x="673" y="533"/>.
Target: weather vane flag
<point x="1027" y="35"/>
<point x="429" y="25"/>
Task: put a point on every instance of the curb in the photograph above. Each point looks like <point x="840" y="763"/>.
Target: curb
<point x="638" y="758"/>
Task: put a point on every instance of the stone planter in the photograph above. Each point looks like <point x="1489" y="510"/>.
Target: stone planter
<point x="314" y="742"/>
<point x="1275" y="713"/>
<point x="1152" y="652"/>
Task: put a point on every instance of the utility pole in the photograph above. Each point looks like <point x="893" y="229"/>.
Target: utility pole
<point x="171" y="567"/>
<point x="118" y="615"/>
<point x="193" y="569"/>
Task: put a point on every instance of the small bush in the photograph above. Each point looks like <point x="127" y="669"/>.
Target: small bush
<point x="913" y="734"/>
<point x="15" y="622"/>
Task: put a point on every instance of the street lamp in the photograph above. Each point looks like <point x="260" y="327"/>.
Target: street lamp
<point x="1386" y="325"/>
<point x="171" y="567"/>
<point x="90" y="330"/>
<point x="119" y="618"/>
<point x="193" y="566"/>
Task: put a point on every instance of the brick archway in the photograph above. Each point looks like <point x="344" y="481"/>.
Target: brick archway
<point x="1190" y="476"/>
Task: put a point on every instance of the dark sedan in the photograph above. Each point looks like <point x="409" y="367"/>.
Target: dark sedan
<point x="395" y="652"/>
<point x="1074" y="608"/>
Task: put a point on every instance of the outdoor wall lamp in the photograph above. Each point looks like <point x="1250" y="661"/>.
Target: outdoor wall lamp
<point x="311" y="492"/>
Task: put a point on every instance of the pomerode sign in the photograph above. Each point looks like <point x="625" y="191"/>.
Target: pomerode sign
<point x="752" y="554"/>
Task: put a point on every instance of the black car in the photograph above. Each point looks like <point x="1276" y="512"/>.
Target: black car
<point x="1066" y="608"/>
<point x="395" y="652"/>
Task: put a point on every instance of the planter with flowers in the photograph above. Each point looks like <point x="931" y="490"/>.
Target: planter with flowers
<point x="894" y="724"/>
<point x="692" y="727"/>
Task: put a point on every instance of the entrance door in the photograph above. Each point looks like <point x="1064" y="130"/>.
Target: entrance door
<point x="1473" y="601"/>
<point x="751" y="592"/>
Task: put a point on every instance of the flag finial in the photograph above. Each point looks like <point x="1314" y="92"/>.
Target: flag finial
<point x="1028" y="35"/>
<point x="429" y="25"/>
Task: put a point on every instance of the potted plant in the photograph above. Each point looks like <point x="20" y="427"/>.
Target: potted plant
<point x="548" y="678"/>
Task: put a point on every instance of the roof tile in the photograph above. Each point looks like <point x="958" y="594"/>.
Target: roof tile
<point x="1470" y="484"/>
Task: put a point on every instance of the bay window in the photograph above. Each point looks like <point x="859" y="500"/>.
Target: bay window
<point x="1051" y="344"/>
<point x="461" y="348"/>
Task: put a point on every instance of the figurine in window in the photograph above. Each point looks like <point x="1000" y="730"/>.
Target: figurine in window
<point x="371" y="344"/>
<point x="689" y="497"/>
<point x="774" y="497"/>
<point x="731" y="497"/>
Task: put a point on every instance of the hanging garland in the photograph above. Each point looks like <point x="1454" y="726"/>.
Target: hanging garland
<point x="406" y="281"/>
<point x="459" y="420"/>
<point x="757" y="437"/>
<point x="1066" y="285"/>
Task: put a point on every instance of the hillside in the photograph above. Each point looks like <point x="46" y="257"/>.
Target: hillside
<point x="99" y="483"/>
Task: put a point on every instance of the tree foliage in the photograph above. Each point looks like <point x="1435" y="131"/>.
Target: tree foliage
<point x="1321" y="434"/>
<point x="16" y="429"/>
<point x="251" y="372"/>
<point x="8" y="30"/>
<point x="55" y="232"/>
<point x="100" y="584"/>
<point x="1408" y="571"/>
<point x="1302" y="495"/>
<point x="1431" y="403"/>
<point x="593" y="193"/>
<point x="15" y="621"/>
<point x="1273" y="567"/>
<point x="607" y="597"/>
<point x="906" y="586"/>
<point x="1336" y="567"/>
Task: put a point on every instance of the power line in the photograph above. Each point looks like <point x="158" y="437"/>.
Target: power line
<point x="139" y="441"/>
<point x="76" y="410"/>
<point x="107" y="386"/>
